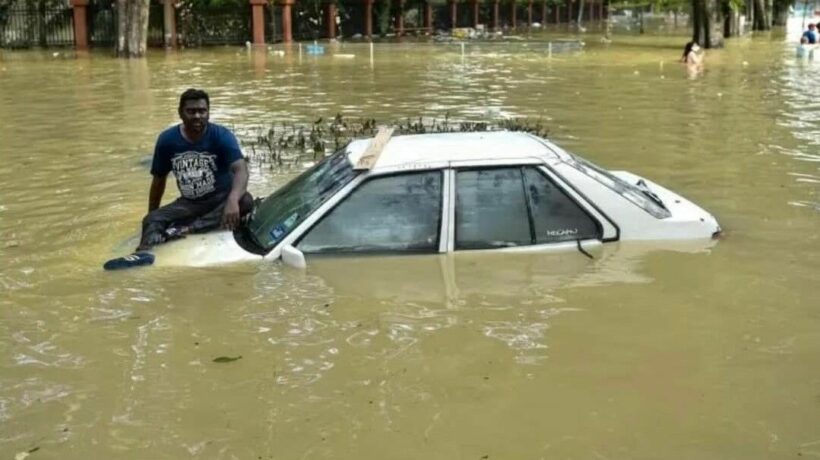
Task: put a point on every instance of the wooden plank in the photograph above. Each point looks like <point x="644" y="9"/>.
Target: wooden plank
<point x="374" y="150"/>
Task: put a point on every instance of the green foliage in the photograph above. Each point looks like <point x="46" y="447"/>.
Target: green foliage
<point x="383" y="16"/>
<point x="283" y="145"/>
<point x="199" y="5"/>
<point x="6" y="6"/>
<point x="659" y="5"/>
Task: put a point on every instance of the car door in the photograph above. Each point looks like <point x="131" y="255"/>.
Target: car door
<point x="395" y="214"/>
<point x="517" y="208"/>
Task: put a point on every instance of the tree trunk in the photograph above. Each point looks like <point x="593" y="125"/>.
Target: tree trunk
<point x="780" y="14"/>
<point x="761" y="18"/>
<point x="640" y="20"/>
<point x="698" y="31"/>
<point x="132" y="28"/>
<point x="706" y="30"/>
<point x="750" y="12"/>
<point x="731" y="21"/>
<point x="769" y="11"/>
<point x="580" y="13"/>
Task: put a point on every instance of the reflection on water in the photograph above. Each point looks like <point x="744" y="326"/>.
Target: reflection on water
<point x="688" y="351"/>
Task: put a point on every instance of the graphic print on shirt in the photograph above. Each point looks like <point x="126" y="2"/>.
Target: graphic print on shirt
<point x="195" y="173"/>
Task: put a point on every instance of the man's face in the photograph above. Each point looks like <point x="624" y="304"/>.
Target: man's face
<point x="194" y="115"/>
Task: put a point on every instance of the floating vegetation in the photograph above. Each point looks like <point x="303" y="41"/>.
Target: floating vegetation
<point x="227" y="359"/>
<point x="288" y="144"/>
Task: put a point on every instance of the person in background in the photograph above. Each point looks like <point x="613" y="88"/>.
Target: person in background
<point x="691" y="55"/>
<point x="811" y="34"/>
<point x="804" y="50"/>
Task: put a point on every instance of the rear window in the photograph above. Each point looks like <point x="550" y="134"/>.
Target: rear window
<point x="515" y="206"/>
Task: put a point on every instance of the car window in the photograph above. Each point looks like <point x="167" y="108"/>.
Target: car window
<point x="555" y="216"/>
<point x="394" y="213"/>
<point x="279" y="213"/>
<point x="491" y="209"/>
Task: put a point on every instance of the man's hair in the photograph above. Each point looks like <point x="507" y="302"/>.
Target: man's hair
<point x="192" y="94"/>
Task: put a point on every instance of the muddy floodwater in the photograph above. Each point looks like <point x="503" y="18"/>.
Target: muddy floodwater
<point x="704" y="351"/>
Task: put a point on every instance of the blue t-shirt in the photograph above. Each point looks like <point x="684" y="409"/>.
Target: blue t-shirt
<point x="811" y="36"/>
<point x="201" y="168"/>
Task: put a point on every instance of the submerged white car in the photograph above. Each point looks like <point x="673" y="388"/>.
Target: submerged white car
<point x="440" y="193"/>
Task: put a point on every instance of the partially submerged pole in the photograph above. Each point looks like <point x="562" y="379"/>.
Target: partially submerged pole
<point x="169" y="24"/>
<point x="258" y="20"/>
<point x="287" y="24"/>
<point x="368" y="18"/>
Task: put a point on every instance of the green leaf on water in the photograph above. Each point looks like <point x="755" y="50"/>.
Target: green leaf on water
<point x="227" y="359"/>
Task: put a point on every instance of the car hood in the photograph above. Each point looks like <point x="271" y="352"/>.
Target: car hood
<point x="200" y="250"/>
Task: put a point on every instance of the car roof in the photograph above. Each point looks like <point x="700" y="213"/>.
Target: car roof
<point x="415" y="149"/>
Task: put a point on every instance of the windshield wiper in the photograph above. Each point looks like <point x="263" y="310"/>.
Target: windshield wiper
<point x="641" y="184"/>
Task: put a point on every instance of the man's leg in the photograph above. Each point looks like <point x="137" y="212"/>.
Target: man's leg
<point x="157" y="221"/>
<point x="213" y="218"/>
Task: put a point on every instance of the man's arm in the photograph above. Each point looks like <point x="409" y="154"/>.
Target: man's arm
<point x="239" y="168"/>
<point x="157" y="190"/>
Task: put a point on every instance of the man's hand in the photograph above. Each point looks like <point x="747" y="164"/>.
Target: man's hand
<point x="230" y="218"/>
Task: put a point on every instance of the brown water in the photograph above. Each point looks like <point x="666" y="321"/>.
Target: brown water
<point x="638" y="354"/>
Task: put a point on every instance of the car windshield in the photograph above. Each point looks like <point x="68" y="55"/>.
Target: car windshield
<point x="278" y="214"/>
<point x="629" y="191"/>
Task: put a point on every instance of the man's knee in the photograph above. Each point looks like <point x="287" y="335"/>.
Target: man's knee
<point x="153" y="217"/>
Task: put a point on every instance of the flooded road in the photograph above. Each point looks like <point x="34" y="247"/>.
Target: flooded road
<point x="694" y="352"/>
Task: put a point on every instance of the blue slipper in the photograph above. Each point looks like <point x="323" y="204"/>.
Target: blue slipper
<point x="132" y="260"/>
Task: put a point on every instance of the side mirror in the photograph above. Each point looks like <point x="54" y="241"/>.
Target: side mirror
<point x="293" y="257"/>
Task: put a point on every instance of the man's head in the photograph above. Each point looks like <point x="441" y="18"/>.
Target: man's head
<point x="193" y="110"/>
<point x="812" y="27"/>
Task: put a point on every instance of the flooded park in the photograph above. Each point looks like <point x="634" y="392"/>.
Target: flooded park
<point x="676" y="351"/>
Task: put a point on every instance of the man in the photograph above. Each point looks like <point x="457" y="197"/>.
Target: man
<point x="811" y="34"/>
<point x="211" y="175"/>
